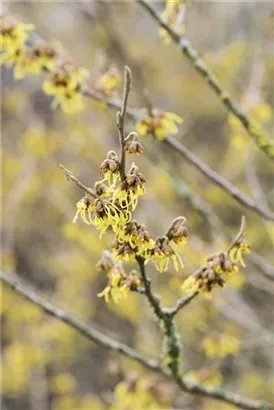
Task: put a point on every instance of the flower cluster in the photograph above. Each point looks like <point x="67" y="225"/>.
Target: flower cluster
<point x="132" y="239"/>
<point x="108" y="83"/>
<point x="177" y="232"/>
<point x="130" y="189"/>
<point x="132" y="146"/>
<point x="13" y="37"/>
<point x="162" y="253"/>
<point x="159" y="124"/>
<point x="64" y="84"/>
<point x="139" y="392"/>
<point x="173" y="16"/>
<point x="110" y="168"/>
<point x="100" y="212"/>
<point x="64" y="81"/>
<point x="112" y="204"/>
<point x="137" y="236"/>
<point x="26" y="60"/>
<point x="211" y="275"/>
<point x="119" y="283"/>
<point x="237" y="250"/>
<point x="220" y="347"/>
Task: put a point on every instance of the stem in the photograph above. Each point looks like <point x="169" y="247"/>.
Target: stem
<point x="172" y="346"/>
<point x="258" y="135"/>
<point x="86" y="330"/>
<point x="120" y="120"/>
<point x="69" y="175"/>
<point x="182" y="302"/>
<point x="185" y="384"/>
<point x="153" y="300"/>
<point x="223" y="183"/>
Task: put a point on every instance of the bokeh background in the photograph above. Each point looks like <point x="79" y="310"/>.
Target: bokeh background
<point x="46" y="365"/>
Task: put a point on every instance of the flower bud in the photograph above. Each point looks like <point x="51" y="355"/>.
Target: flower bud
<point x="134" y="147"/>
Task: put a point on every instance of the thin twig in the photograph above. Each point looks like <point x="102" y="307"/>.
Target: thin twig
<point x="182" y="302"/>
<point x="223" y="183"/>
<point x="120" y="118"/>
<point x="240" y="234"/>
<point x="260" y="137"/>
<point x="86" y="330"/>
<point x="69" y="175"/>
<point x="186" y="384"/>
<point x="172" y="345"/>
<point x="212" y="175"/>
<point x="204" y="208"/>
<point x="113" y="103"/>
<point x="254" y="182"/>
<point x="153" y="300"/>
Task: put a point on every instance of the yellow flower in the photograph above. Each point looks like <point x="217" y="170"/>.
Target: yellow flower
<point x="130" y="189"/>
<point x="220" y="347"/>
<point x="162" y="253"/>
<point x="70" y="102"/>
<point x="13" y="36"/>
<point x="33" y="61"/>
<point x="122" y="251"/>
<point x="137" y="391"/>
<point x="137" y="236"/>
<point x="209" y="276"/>
<point x="64" y="84"/>
<point x="173" y="15"/>
<point x="237" y="251"/>
<point x="205" y="280"/>
<point x="108" y="82"/>
<point x="134" y="147"/>
<point x="85" y="205"/>
<point x="102" y="190"/>
<point x="117" y="287"/>
<point x="262" y="112"/>
<point x="110" y="168"/>
<point x="159" y="124"/>
<point x="106" y="214"/>
<point x="178" y="232"/>
<point x="191" y="284"/>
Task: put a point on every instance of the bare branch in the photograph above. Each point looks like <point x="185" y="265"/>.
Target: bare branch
<point x="86" y="330"/>
<point x="254" y="182"/>
<point x="223" y="183"/>
<point x="182" y="302"/>
<point x="259" y="136"/>
<point x="207" y="212"/>
<point x="70" y="176"/>
<point x="153" y="300"/>
<point x="240" y="234"/>
<point x="120" y="118"/>
<point x="186" y="384"/>
<point x="209" y="173"/>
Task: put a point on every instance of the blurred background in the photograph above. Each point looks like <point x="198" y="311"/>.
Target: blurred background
<point x="228" y="341"/>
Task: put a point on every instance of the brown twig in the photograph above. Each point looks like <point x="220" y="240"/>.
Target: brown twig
<point x="223" y="183"/>
<point x="182" y="302"/>
<point x="70" y="176"/>
<point x="186" y="384"/>
<point x="240" y="234"/>
<point x="259" y="136"/>
<point x="209" y="173"/>
<point x="120" y="119"/>
<point x="154" y="301"/>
